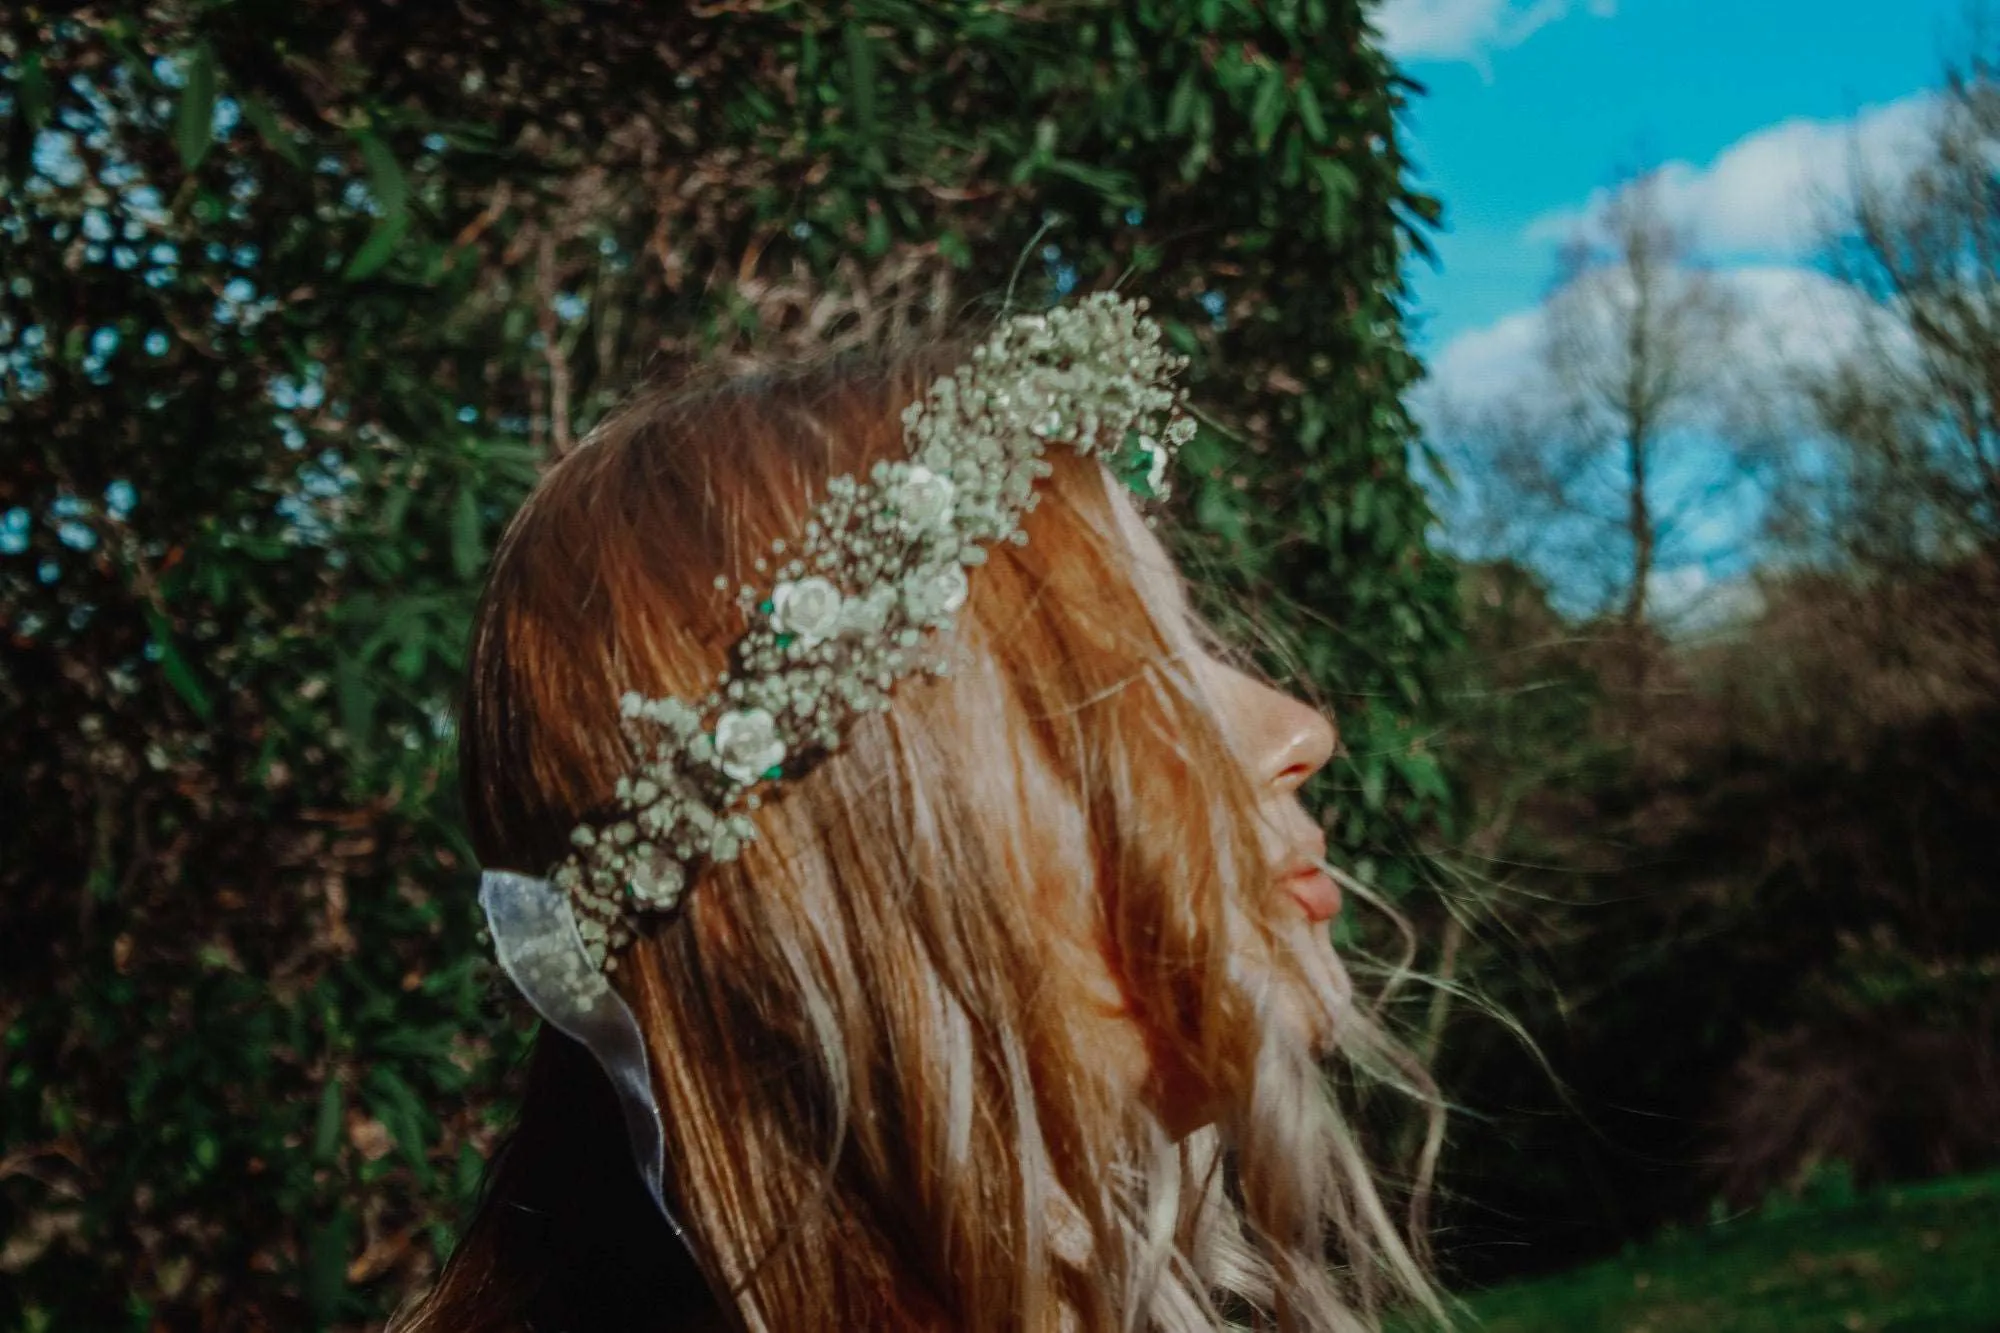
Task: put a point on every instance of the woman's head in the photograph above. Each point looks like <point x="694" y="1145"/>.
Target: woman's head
<point x="961" y="1039"/>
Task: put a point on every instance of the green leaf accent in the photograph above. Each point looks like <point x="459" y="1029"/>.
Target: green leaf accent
<point x="1132" y="465"/>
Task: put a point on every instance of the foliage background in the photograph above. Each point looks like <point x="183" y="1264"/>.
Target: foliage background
<point x="296" y="300"/>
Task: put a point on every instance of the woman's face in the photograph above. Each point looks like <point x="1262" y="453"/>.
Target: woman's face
<point x="1281" y="742"/>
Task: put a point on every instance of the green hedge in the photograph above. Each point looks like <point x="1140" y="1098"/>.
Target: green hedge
<point x="293" y="302"/>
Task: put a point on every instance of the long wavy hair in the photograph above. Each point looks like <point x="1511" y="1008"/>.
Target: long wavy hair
<point x="872" y="1036"/>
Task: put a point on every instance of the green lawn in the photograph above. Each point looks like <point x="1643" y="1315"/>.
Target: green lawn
<point x="1919" y="1259"/>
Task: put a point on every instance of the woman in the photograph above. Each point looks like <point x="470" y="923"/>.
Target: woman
<point x="965" y="939"/>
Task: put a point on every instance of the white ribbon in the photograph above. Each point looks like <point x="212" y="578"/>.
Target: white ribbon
<point x="536" y="940"/>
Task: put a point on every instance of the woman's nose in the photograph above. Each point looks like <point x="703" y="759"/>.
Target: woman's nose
<point x="1282" y="740"/>
<point x="1296" y="741"/>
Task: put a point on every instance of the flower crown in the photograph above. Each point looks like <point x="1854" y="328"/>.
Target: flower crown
<point x="881" y="565"/>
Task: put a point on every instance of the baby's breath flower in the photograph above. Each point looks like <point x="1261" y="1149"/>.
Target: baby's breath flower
<point x="867" y="616"/>
<point x="899" y="541"/>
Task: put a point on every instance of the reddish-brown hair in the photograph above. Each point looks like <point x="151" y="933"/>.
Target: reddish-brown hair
<point x="871" y="1035"/>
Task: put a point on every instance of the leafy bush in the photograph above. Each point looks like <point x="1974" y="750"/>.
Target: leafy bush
<point x="1751" y="929"/>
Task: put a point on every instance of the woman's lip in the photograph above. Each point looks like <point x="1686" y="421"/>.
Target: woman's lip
<point x="1315" y="891"/>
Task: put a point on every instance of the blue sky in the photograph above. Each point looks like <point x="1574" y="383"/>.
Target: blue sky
<point x="1532" y="106"/>
<point x="1753" y="112"/>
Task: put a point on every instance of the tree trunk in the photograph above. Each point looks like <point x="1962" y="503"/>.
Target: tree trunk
<point x="1639" y="523"/>
<point x="1638" y="645"/>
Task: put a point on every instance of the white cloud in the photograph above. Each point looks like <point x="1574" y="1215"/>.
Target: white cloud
<point x="1468" y="30"/>
<point x="1480" y="364"/>
<point x="1795" y="317"/>
<point x="1766" y="192"/>
<point x="1792" y="317"/>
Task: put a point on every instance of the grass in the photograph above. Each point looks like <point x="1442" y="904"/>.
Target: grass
<point x="1916" y="1259"/>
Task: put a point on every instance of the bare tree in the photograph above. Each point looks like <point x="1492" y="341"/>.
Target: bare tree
<point x="1638" y="343"/>
<point x="1592" y="467"/>
<point x="1911" y="403"/>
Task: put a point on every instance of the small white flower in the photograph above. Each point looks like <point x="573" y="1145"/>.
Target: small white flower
<point x="809" y="608"/>
<point x="932" y="596"/>
<point x="923" y="500"/>
<point x="953" y="587"/>
<point x="657" y="883"/>
<point x="867" y="616"/>
<point x="747" y="744"/>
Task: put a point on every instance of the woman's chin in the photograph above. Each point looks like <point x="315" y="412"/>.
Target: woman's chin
<point x="1316" y="1006"/>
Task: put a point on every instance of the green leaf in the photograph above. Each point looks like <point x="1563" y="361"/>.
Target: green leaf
<point x="468" y="550"/>
<point x="377" y="249"/>
<point x="324" y="1280"/>
<point x="1219" y="509"/>
<point x="32" y="89"/>
<point x="1198" y="153"/>
<point x="1425" y="778"/>
<point x="194" y="124"/>
<point x="411" y="653"/>
<point x="471" y="1171"/>
<point x="397" y="1106"/>
<point x="1338" y="187"/>
<point x="175" y="668"/>
<point x="326" y="1129"/>
<point x="1180" y="107"/>
<point x="1361" y="505"/>
<point x="861" y="80"/>
<point x="357" y="701"/>
<point x="385" y="176"/>
<point x="1113" y="185"/>
<point x="876" y="242"/>
<point x="1310" y="115"/>
<point x="808" y="55"/>
<point x="1374" y="782"/>
<point x="395" y="509"/>
<point x="1268" y="111"/>
<point x="265" y="121"/>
